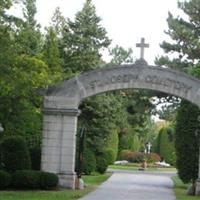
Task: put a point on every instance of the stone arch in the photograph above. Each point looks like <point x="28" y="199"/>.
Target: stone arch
<point x="62" y="100"/>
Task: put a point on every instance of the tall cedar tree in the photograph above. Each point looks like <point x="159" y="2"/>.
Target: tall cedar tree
<point x="187" y="141"/>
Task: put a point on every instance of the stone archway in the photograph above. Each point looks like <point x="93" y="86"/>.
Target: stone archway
<point x="61" y="106"/>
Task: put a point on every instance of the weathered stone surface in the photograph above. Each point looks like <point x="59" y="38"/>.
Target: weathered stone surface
<point x="138" y="76"/>
<point x="58" y="147"/>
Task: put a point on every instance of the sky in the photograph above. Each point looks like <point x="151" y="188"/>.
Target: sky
<point x="126" y="21"/>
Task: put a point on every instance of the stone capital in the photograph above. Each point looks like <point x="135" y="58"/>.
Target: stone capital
<point x="60" y="111"/>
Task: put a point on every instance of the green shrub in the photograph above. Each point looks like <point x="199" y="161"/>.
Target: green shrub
<point x="30" y="179"/>
<point x="48" y="180"/>
<point x="167" y="145"/>
<point x="5" y="179"/>
<point x="102" y="164"/>
<point x="35" y="154"/>
<point x="26" y="179"/>
<point x="89" y="161"/>
<point x="15" y="154"/>
<point x="111" y="147"/>
<point x="110" y="155"/>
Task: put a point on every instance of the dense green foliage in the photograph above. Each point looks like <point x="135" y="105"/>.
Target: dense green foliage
<point x="15" y="154"/>
<point x="21" y="71"/>
<point x="27" y="179"/>
<point x="187" y="141"/>
<point x="48" y="180"/>
<point x="35" y="154"/>
<point x="89" y="161"/>
<point x="5" y="179"/>
<point x="111" y="149"/>
<point x="102" y="164"/>
<point x="165" y="146"/>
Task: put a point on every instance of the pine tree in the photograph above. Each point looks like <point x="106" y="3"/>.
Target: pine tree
<point x="185" y="35"/>
<point x="84" y="38"/>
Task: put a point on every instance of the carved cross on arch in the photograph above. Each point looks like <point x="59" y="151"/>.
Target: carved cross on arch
<point x="142" y="46"/>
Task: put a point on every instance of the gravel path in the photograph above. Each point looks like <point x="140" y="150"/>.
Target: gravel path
<point x="134" y="186"/>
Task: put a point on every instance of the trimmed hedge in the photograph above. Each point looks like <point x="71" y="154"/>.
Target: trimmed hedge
<point x="166" y="145"/>
<point x="15" y="154"/>
<point x="48" y="180"/>
<point x="26" y="179"/>
<point x="138" y="157"/>
<point x="5" y="179"/>
<point x="102" y="165"/>
<point x="29" y="179"/>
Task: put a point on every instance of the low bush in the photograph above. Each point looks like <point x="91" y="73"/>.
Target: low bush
<point x="15" y="154"/>
<point x="138" y="157"/>
<point x="26" y="179"/>
<point x="5" y="179"/>
<point x="124" y="155"/>
<point x="102" y="165"/>
<point x="131" y="156"/>
<point x="29" y="179"/>
<point x="48" y="180"/>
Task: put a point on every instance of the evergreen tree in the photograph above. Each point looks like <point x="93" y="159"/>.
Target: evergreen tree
<point x="52" y="55"/>
<point x="184" y="32"/>
<point x="121" y="55"/>
<point x="84" y="38"/>
<point x="166" y="145"/>
<point x="187" y="142"/>
<point x="59" y="23"/>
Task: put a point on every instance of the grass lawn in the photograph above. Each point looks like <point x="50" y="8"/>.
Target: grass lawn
<point x="135" y="166"/>
<point x="180" y="190"/>
<point x="92" y="182"/>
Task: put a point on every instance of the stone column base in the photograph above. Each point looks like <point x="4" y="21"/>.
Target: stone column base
<point x="67" y="180"/>
<point x="197" y="191"/>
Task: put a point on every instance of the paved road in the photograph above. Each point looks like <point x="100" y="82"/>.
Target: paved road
<point x="135" y="186"/>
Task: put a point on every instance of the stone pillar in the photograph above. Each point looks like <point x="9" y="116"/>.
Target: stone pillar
<point x="59" y="144"/>
<point x="198" y="180"/>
